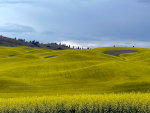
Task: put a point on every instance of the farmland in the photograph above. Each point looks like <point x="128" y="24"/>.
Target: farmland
<point x="40" y="74"/>
<point x="106" y="103"/>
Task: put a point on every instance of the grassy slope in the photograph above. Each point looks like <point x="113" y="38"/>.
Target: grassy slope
<point x="72" y="71"/>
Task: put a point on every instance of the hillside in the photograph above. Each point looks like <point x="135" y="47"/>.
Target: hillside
<point x="26" y="71"/>
<point x="10" y="42"/>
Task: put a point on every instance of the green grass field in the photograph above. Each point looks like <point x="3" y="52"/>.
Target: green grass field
<point x="26" y="71"/>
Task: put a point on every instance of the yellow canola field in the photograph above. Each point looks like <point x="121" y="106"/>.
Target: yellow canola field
<point x="26" y="71"/>
<point x="104" y="103"/>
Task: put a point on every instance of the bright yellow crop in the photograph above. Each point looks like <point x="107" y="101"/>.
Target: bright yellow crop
<point x="26" y="71"/>
<point x="124" y="103"/>
<point x="83" y="74"/>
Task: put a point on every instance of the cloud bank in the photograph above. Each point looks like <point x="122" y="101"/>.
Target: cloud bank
<point x="16" y="28"/>
<point x="81" y="21"/>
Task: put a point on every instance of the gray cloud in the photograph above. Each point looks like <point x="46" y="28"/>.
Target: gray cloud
<point x="93" y="44"/>
<point x="91" y="20"/>
<point x="16" y="28"/>
<point x="78" y="20"/>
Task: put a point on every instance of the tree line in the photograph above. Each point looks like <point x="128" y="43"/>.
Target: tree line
<point x="12" y="42"/>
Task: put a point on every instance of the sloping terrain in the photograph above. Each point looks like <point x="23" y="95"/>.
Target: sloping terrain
<point x="118" y="52"/>
<point x="13" y="42"/>
<point x="26" y="71"/>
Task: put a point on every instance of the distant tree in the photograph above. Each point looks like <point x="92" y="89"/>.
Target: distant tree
<point x="36" y="43"/>
<point x="22" y="40"/>
<point x="73" y="47"/>
<point x="6" y="41"/>
<point x="78" y="47"/>
<point x="33" y="42"/>
<point x="59" y="48"/>
<point x="133" y="46"/>
<point x="88" y="48"/>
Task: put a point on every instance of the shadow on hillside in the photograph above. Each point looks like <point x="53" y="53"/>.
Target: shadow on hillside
<point x="118" y="52"/>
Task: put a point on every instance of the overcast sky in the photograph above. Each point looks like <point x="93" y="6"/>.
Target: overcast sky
<point x="92" y="23"/>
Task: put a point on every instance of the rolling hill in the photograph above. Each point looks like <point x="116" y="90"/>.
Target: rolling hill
<point x="27" y="71"/>
<point x="13" y="42"/>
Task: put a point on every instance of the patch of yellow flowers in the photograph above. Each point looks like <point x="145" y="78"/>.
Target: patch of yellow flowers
<point x="105" y="103"/>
